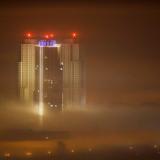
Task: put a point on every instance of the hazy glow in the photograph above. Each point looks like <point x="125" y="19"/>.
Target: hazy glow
<point x="74" y="34"/>
<point x="47" y="43"/>
<point x="7" y="155"/>
<point x="40" y="110"/>
<point x="46" y="36"/>
<point x="28" y="154"/>
<point x="29" y="35"/>
<point x="51" y="35"/>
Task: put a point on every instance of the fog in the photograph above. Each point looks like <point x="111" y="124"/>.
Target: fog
<point x="119" y="125"/>
<point x="20" y="116"/>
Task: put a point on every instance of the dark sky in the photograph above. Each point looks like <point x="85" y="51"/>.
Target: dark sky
<point x="120" y="40"/>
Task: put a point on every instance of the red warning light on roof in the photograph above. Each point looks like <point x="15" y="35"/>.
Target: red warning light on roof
<point x="46" y="36"/>
<point x="51" y="35"/>
<point x="74" y="35"/>
<point x="28" y="35"/>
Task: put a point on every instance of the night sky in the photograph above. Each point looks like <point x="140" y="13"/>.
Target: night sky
<point x="120" y="41"/>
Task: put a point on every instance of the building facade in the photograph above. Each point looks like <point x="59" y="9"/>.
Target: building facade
<point x="72" y="78"/>
<point x="50" y="74"/>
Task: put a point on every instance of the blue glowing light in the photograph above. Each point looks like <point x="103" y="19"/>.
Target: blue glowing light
<point x="47" y="43"/>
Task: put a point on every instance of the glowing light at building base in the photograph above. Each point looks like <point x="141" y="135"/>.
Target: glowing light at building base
<point x="41" y="109"/>
<point x="41" y="82"/>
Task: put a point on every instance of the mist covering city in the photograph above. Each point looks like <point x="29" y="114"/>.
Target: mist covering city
<point x="93" y="80"/>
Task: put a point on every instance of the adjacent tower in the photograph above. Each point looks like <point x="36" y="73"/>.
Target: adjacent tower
<point x="27" y="70"/>
<point x="72" y="74"/>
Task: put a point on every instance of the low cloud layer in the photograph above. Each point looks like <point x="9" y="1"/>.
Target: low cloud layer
<point x="20" y="116"/>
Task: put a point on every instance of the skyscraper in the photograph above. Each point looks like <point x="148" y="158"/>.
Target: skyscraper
<point x="27" y="70"/>
<point x="72" y="82"/>
<point x="50" y="74"/>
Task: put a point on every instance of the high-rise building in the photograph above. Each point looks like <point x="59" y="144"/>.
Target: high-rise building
<point x="72" y="79"/>
<point x="27" y="70"/>
<point x="50" y="74"/>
